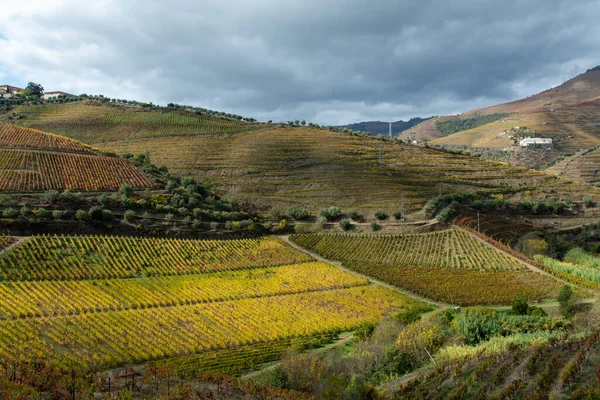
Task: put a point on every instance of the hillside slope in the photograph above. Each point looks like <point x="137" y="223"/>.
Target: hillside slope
<point x="379" y="127"/>
<point x="569" y="113"/>
<point x="93" y="122"/>
<point x="317" y="168"/>
<point x="31" y="160"/>
<point x="282" y="166"/>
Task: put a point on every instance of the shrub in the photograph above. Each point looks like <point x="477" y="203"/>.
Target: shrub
<point x="565" y="299"/>
<point x="322" y="222"/>
<point x="10" y="213"/>
<point x="51" y="196"/>
<point x="42" y="213"/>
<point x="331" y="213"/>
<point x="130" y="214"/>
<point x="353" y="214"/>
<point x="169" y="217"/>
<point x="275" y="213"/>
<point x="589" y="202"/>
<point x="82" y="215"/>
<point x="187" y="220"/>
<point x="70" y="197"/>
<point x="214" y="226"/>
<point x="282" y="224"/>
<point x="126" y="190"/>
<point x="196" y="224"/>
<point x="25" y="211"/>
<point x="380" y="215"/>
<point x="345" y="224"/>
<point x="297" y="212"/>
<point x="519" y="306"/>
<point x="182" y="211"/>
<point x="107" y="215"/>
<point x="476" y="325"/>
<point x="398" y="215"/>
<point x="57" y="214"/>
<point x="96" y="213"/>
<point x="146" y="216"/>
<point x="229" y="225"/>
<point x="375" y="226"/>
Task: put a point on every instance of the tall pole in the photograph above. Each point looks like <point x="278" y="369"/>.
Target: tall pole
<point x="402" y="206"/>
<point x="390" y="130"/>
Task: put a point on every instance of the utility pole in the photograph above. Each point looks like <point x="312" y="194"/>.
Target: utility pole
<point x="402" y="206"/>
<point x="390" y="130"/>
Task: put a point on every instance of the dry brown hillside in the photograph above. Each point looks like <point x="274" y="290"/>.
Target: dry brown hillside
<point x="569" y="113"/>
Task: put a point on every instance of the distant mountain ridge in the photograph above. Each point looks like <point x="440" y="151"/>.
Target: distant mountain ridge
<point x="377" y="127"/>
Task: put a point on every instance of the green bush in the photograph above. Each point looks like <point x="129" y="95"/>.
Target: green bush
<point x="398" y="215"/>
<point x="58" y="214"/>
<point x="380" y="215"/>
<point x="375" y="226"/>
<point x="25" y="211"/>
<point x="42" y="213"/>
<point x="10" y="213"/>
<point x="331" y="213"/>
<point x="353" y="214"/>
<point x="51" y="196"/>
<point x="129" y="215"/>
<point x="297" y="212"/>
<point x="519" y="306"/>
<point x="589" y="202"/>
<point x="214" y="226"/>
<point x="82" y="215"/>
<point x="96" y="213"/>
<point x="322" y="222"/>
<point x="565" y="299"/>
<point x="345" y="224"/>
<point x="126" y="190"/>
<point x="107" y="216"/>
<point x="476" y="325"/>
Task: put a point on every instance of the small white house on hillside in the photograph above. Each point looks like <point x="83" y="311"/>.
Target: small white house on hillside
<point x="54" y="95"/>
<point x="7" y="91"/>
<point x="532" y="141"/>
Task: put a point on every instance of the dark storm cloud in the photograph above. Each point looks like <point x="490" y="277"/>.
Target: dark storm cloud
<point x="332" y="61"/>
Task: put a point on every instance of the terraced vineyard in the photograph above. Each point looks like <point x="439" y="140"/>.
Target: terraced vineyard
<point x="32" y="160"/>
<point x="537" y="372"/>
<point x="317" y="168"/>
<point x="96" y="123"/>
<point x="502" y="229"/>
<point x="582" y="167"/>
<point x="102" y="302"/>
<point x="451" y="266"/>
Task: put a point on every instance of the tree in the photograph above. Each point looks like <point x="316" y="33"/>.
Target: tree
<point x="565" y="299"/>
<point x="520" y="306"/>
<point x="35" y="89"/>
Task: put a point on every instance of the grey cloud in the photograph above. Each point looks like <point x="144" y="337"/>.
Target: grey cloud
<point x="334" y="61"/>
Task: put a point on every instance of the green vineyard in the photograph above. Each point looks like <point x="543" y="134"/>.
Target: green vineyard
<point x="451" y="266"/>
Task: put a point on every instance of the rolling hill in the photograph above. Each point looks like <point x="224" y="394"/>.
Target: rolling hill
<point x="32" y="160"/>
<point x="569" y="113"/>
<point x="278" y="166"/>
<point x="380" y="127"/>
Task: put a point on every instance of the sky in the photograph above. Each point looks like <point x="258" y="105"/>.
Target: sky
<point x="330" y="62"/>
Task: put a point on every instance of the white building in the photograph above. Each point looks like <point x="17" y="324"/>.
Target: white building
<point x="7" y="91"/>
<point x="54" y="95"/>
<point x="531" y="141"/>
